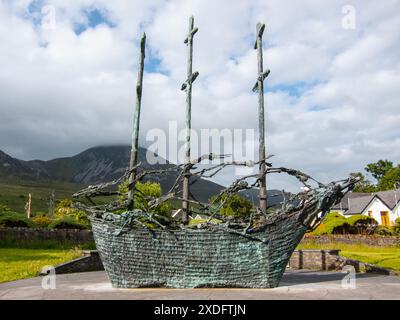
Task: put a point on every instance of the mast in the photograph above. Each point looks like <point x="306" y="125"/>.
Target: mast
<point x="259" y="87"/>
<point x="136" y="119"/>
<point x="191" y="77"/>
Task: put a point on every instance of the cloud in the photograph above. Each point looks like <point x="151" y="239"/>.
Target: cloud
<point x="332" y="97"/>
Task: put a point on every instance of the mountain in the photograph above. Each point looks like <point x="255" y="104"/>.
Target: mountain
<point x="105" y="163"/>
<point x="95" y="165"/>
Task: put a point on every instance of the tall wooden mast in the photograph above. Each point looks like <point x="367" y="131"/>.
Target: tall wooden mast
<point x="259" y="87"/>
<point x="136" y="120"/>
<point x="191" y="77"/>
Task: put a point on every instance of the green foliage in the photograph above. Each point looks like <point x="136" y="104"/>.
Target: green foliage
<point x="383" y="256"/>
<point x="390" y="180"/>
<point x="65" y="209"/>
<point x="19" y="263"/>
<point x="333" y="226"/>
<point x="14" y="220"/>
<point x="379" y="169"/>
<point x="11" y="242"/>
<point x="363" y="185"/>
<point x="335" y="223"/>
<point x="194" y="222"/>
<point x="144" y="193"/>
<point x="14" y="194"/>
<point x="333" y="215"/>
<point x="67" y="222"/>
<point x="4" y="208"/>
<point x="41" y="221"/>
<point x="362" y="224"/>
<point x="386" y="175"/>
<point x="234" y="205"/>
<point x="384" y="231"/>
<point x="396" y="227"/>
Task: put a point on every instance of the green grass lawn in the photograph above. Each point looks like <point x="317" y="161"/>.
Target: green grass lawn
<point x="386" y="257"/>
<point x="18" y="264"/>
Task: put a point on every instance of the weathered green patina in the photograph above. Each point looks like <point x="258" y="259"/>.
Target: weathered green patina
<point x="142" y="249"/>
<point x="216" y="255"/>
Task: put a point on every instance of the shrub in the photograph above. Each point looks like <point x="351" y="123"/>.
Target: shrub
<point x="384" y="231"/>
<point x="337" y="226"/>
<point x="65" y="208"/>
<point x="199" y="221"/>
<point x="14" y="220"/>
<point x="333" y="223"/>
<point x="42" y="221"/>
<point x="144" y="193"/>
<point x="362" y="224"/>
<point x="67" y="223"/>
<point x="4" y="209"/>
<point x="333" y="215"/>
<point x="234" y="206"/>
<point x="396" y="227"/>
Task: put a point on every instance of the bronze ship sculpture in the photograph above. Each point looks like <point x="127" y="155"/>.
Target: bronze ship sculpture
<point x="140" y="248"/>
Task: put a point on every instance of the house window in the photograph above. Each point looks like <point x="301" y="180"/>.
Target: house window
<point x="385" y="218"/>
<point x="370" y="213"/>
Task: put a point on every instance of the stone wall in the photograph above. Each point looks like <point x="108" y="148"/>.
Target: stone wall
<point x="329" y="260"/>
<point x="89" y="262"/>
<point x="56" y="235"/>
<point x="372" y="240"/>
<point x="314" y="259"/>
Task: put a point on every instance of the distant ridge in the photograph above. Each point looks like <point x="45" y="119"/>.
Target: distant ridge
<point x="100" y="164"/>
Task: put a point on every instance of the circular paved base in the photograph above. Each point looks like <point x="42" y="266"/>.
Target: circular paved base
<point x="294" y="285"/>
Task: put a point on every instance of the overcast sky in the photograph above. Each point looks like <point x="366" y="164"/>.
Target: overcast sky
<point x="332" y="99"/>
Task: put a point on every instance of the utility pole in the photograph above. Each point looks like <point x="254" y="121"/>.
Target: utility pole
<point x="187" y="86"/>
<point x="51" y="204"/>
<point x="259" y="87"/>
<point x="136" y="120"/>
<point x="28" y="207"/>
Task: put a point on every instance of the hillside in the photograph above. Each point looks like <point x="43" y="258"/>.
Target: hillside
<point x="98" y="164"/>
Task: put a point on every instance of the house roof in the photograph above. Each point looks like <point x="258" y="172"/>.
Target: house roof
<point x="356" y="202"/>
<point x="390" y="197"/>
<point x="358" y="205"/>
<point x="344" y="203"/>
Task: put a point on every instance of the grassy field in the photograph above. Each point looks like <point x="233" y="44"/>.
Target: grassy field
<point x="386" y="257"/>
<point x="26" y="263"/>
<point x="14" y="195"/>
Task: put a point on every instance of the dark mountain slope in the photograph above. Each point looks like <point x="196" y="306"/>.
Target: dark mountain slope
<point x="100" y="164"/>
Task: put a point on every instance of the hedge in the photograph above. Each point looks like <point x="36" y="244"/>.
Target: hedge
<point x="15" y="220"/>
<point x="67" y="223"/>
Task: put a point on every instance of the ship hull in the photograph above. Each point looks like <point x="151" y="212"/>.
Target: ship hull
<point x="137" y="258"/>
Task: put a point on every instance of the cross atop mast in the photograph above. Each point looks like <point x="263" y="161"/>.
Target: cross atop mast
<point x="187" y="86"/>
<point x="259" y="87"/>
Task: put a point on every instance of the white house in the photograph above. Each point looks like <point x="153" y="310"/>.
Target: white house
<point x="383" y="206"/>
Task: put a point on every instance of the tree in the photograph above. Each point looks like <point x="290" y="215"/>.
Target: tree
<point x="144" y="192"/>
<point x="391" y="180"/>
<point x="66" y="209"/>
<point x="379" y="169"/>
<point x="363" y="185"/>
<point x="235" y="205"/>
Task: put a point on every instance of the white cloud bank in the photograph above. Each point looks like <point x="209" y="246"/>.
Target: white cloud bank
<point x="332" y="99"/>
